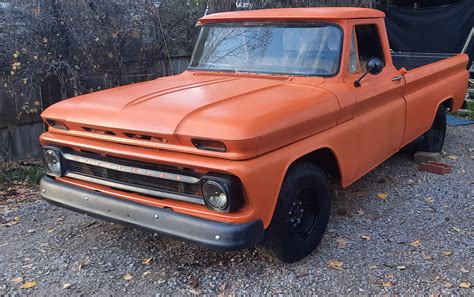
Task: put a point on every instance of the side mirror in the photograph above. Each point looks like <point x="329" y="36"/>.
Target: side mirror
<point x="374" y="67"/>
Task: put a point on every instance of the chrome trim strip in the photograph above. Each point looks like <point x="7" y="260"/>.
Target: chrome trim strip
<point x="139" y="190"/>
<point x="132" y="170"/>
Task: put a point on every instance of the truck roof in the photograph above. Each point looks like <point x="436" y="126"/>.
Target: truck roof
<point x="293" y="14"/>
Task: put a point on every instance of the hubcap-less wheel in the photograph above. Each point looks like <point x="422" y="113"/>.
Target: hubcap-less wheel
<point x="433" y="139"/>
<point x="439" y="130"/>
<point x="303" y="215"/>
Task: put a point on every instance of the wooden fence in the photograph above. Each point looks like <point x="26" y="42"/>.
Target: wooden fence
<point x="19" y="131"/>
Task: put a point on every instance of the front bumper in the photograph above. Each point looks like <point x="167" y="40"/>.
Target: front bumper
<point x="211" y="234"/>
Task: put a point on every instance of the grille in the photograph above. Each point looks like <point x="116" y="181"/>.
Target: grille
<point x="135" y="180"/>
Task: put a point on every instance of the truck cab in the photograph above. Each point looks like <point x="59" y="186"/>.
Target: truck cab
<point x="236" y="150"/>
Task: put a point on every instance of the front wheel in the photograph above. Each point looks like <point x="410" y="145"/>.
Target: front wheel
<point x="301" y="215"/>
<point x="433" y="140"/>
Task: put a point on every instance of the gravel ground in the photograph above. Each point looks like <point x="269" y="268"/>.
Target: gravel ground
<point x="419" y="239"/>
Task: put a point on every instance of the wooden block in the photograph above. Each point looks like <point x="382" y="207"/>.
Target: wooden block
<point x="421" y="157"/>
<point x="435" y="167"/>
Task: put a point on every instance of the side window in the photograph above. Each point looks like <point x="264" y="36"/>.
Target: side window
<point x="353" y="58"/>
<point x="368" y="42"/>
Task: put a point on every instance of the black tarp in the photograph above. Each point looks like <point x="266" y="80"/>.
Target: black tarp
<point x="441" y="29"/>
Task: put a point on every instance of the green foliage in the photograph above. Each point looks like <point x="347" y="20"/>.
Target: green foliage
<point x="12" y="173"/>
<point x="470" y="108"/>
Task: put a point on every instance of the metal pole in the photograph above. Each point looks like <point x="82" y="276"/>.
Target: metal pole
<point x="464" y="49"/>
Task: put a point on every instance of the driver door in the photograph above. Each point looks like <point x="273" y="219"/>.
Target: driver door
<point x="380" y="107"/>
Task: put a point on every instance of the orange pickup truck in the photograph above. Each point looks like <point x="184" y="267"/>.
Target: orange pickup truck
<point x="236" y="150"/>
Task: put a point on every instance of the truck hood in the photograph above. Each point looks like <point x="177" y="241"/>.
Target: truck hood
<point x="250" y="115"/>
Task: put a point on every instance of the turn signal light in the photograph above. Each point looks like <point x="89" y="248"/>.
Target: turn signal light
<point x="209" y="145"/>
<point x="56" y="124"/>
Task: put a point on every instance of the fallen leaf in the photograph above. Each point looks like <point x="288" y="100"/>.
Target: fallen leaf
<point x="447" y="253"/>
<point x="127" y="277"/>
<point x="464" y="270"/>
<point x="360" y="211"/>
<point x="465" y="285"/>
<point x="429" y="199"/>
<point x="366" y="237"/>
<point x="17" y="280"/>
<point x="457" y="229"/>
<point x="401" y="267"/>
<point x="194" y="291"/>
<point x="448" y="285"/>
<point x="223" y="287"/>
<point x="415" y="243"/>
<point x="161" y="281"/>
<point x="453" y="157"/>
<point x="389" y="276"/>
<point x="31" y="230"/>
<point x="146" y="273"/>
<point x="147" y="261"/>
<point x="28" y="285"/>
<point x="387" y="284"/>
<point x="11" y="223"/>
<point x="341" y="243"/>
<point x="335" y="264"/>
<point x="372" y="267"/>
<point x="83" y="264"/>
<point x="382" y="196"/>
<point x="426" y="256"/>
<point x="50" y="230"/>
<point x="66" y="286"/>
<point x="435" y="279"/>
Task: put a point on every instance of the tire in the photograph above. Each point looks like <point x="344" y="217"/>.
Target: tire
<point x="301" y="214"/>
<point x="433" y="140"/>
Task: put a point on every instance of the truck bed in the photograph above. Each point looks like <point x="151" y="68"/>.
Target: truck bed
<point x="411" y="60"/>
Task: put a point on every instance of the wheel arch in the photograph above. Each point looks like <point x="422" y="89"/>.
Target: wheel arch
<point x="447" y="102"/>
<point x="325" y="158"/>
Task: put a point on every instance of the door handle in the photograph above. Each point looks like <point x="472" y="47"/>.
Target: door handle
<point x="397" y="78"/>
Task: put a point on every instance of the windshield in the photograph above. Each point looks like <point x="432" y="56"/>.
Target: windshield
<point x="295" y="48"/>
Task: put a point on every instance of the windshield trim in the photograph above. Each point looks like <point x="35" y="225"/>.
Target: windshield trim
<point x="271" y="23"/>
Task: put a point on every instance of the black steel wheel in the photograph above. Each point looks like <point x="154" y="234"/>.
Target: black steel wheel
<point x="301" y="215"/>
<point x="433" y="140"/>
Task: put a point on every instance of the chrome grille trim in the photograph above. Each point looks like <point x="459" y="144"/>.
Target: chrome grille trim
<point x="134" y="189"/>
<point x="132" y="170"/>
<point x="122" y="174"/>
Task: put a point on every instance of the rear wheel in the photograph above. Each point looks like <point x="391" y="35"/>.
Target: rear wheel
<point x="301" y="215"/>
<point x="433" y="140"/>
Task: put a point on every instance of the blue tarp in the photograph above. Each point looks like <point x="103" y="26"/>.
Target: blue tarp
<point x="455" y="121"/>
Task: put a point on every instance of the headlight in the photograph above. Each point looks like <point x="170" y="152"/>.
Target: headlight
<point x="215" y="195"/>
<point x="52" y="162"/>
